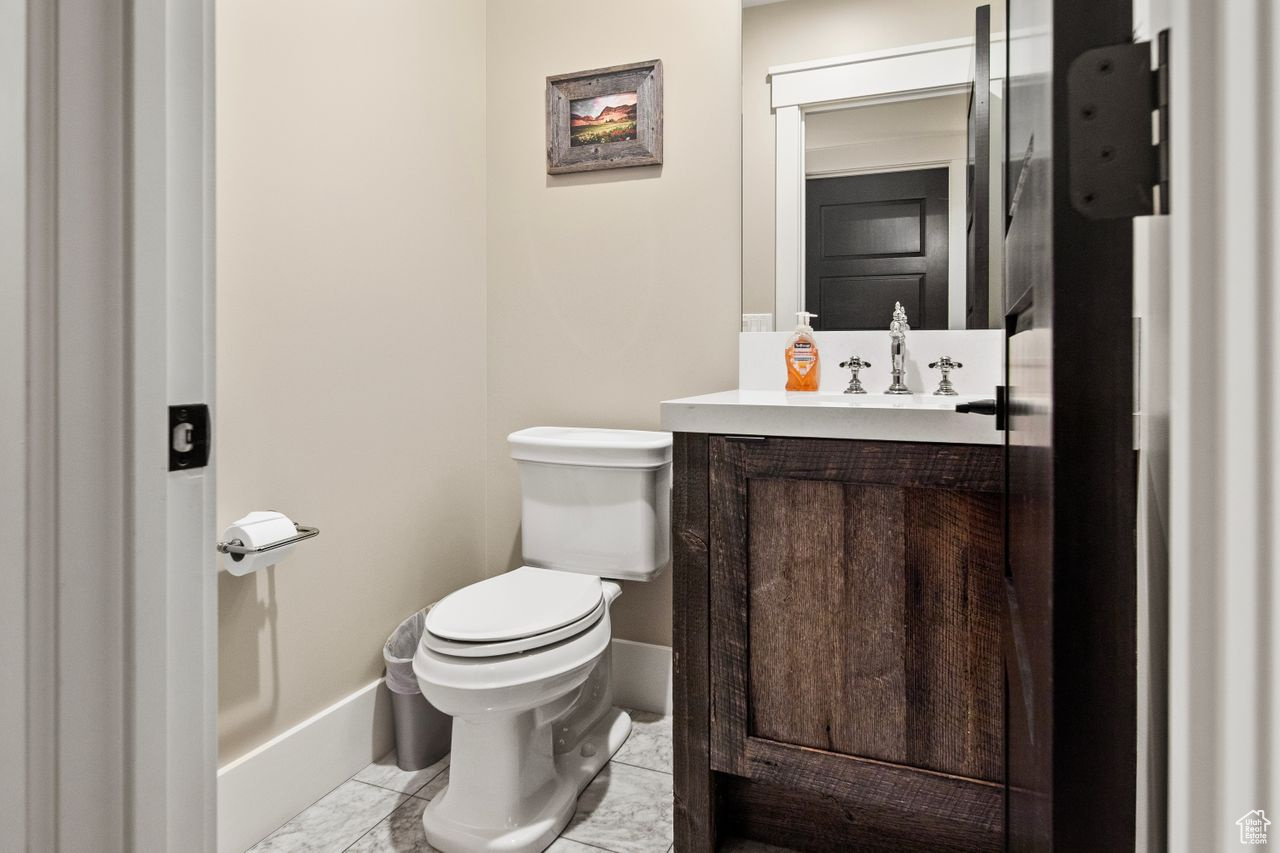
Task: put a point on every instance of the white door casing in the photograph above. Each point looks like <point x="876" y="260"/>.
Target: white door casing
<point x="878" y="77"/>
<point x="15" y="540"/>
<point x="1224" y="424"/>
<point x="174" y="593"/>
<point x="109" y="710"/>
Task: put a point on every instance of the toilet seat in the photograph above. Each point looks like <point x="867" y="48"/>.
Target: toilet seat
<point x="523" y="609"/>
<point x="455" y="648"/>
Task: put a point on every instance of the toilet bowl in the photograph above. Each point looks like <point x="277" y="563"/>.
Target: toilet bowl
<point x="521" y="661"/>
<point x="531" y="728"/>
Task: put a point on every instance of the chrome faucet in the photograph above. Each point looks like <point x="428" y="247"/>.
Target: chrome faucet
<point x="898" y="329"/>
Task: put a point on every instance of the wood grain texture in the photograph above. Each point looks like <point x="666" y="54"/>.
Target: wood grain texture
<point x="1071" y="466"/>
<point x="730" y="602"/>
<point x="1092" y="698"/>
<point x="791" y="552"/>
<point x="955" y="704"/>
<point x="874" y="668"/>
<point x="972" y="468"/>
<point x="694" y="790"/>
<point x="643" y="78"/>
<point x="855" y="600"/>
<point x="864" y="806"/>
<point x="734" y="463"/>
<point x="826" y="616"/>
<point x="873" y="614"/>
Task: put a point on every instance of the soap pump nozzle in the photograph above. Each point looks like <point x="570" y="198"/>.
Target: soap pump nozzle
<point x="803" y="318"/>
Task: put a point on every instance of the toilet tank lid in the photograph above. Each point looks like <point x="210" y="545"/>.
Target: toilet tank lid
<point x="602" y="448"/>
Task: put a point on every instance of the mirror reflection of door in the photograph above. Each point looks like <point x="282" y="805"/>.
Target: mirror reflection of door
<point x="875" y="240"/>
<point x="825" y="100"/>
<point x="885" y="213"/>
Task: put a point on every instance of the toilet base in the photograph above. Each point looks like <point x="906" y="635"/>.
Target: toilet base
<point x="574" y="770"/>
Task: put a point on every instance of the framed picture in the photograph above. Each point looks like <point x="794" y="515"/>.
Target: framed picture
<point x="607" y="118"/>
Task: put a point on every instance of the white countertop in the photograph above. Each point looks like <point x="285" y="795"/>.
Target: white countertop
<point x="874" y="417"/>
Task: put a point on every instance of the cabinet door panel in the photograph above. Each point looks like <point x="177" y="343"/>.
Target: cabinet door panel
<point x="826" y="616"/>
<point x="852" y="616"/>
<point x="873" y="624"/>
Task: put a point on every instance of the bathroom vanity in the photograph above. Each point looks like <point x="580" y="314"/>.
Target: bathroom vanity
<point x="838" y="677"/>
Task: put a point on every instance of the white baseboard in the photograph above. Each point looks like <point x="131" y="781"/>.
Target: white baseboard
<point x="261" y="790"/>
<point x="642" y="676"/>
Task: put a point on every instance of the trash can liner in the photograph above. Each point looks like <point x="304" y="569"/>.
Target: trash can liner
<point x="399" y="650"/>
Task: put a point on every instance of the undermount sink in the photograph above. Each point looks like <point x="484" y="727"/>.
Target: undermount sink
<point x="876" y="417"/>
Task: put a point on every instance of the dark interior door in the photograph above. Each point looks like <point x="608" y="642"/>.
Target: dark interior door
<point x="1070" y="512"/>
<point x="873" y="240"/>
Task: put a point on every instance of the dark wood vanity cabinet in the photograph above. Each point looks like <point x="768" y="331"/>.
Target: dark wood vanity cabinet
<point x="838" y="674"/>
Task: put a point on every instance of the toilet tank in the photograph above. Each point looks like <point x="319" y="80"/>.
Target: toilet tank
<point x="595" y="501"/>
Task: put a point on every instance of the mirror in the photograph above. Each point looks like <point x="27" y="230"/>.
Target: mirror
<point x="872" y="167"/>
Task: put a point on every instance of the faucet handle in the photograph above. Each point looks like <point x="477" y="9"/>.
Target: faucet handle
<point x="855" y="363"/>
<point x="946" y="364"/>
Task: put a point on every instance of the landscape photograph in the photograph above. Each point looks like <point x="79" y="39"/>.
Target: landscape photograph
<point x="608" y="118"/>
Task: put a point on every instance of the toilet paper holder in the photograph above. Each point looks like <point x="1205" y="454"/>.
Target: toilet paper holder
<point x="239" y="551"/>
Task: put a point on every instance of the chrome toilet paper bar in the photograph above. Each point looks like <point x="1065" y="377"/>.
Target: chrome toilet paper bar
<point x="238" y="551"/>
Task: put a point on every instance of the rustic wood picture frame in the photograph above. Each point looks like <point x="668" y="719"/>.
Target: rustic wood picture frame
<point x="643" y="78"/>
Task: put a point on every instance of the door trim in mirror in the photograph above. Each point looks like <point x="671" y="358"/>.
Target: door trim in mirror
<point x="884" y="76"/>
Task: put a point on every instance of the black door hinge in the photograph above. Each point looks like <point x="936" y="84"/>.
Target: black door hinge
<point x="1115" y="168"/>
<point x="188" y="436"/>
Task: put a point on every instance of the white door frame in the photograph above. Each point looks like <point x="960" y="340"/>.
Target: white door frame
<point x="174" y="589"/>
<point x="1224" y="430"/>
<point x="883" y="76"/>
<point x="109" y="611"/>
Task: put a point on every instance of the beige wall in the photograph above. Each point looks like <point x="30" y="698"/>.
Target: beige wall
<point x="350" y="346"/>
<point x="352" y="263"/>
<point x="801" y="30"/>
<point x="900" y="134"/>
<point x="613" y="291"/>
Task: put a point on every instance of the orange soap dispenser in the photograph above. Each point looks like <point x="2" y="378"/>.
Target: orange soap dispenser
<point x="802" y="356"/>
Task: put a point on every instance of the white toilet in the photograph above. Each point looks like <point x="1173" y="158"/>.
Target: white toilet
<point x="521" y="661"/>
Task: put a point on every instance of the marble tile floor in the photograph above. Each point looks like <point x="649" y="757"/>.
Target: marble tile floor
<point x="627" y="808"/>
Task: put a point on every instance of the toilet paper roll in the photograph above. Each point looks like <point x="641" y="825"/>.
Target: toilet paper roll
<point x="254" y="531"/>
